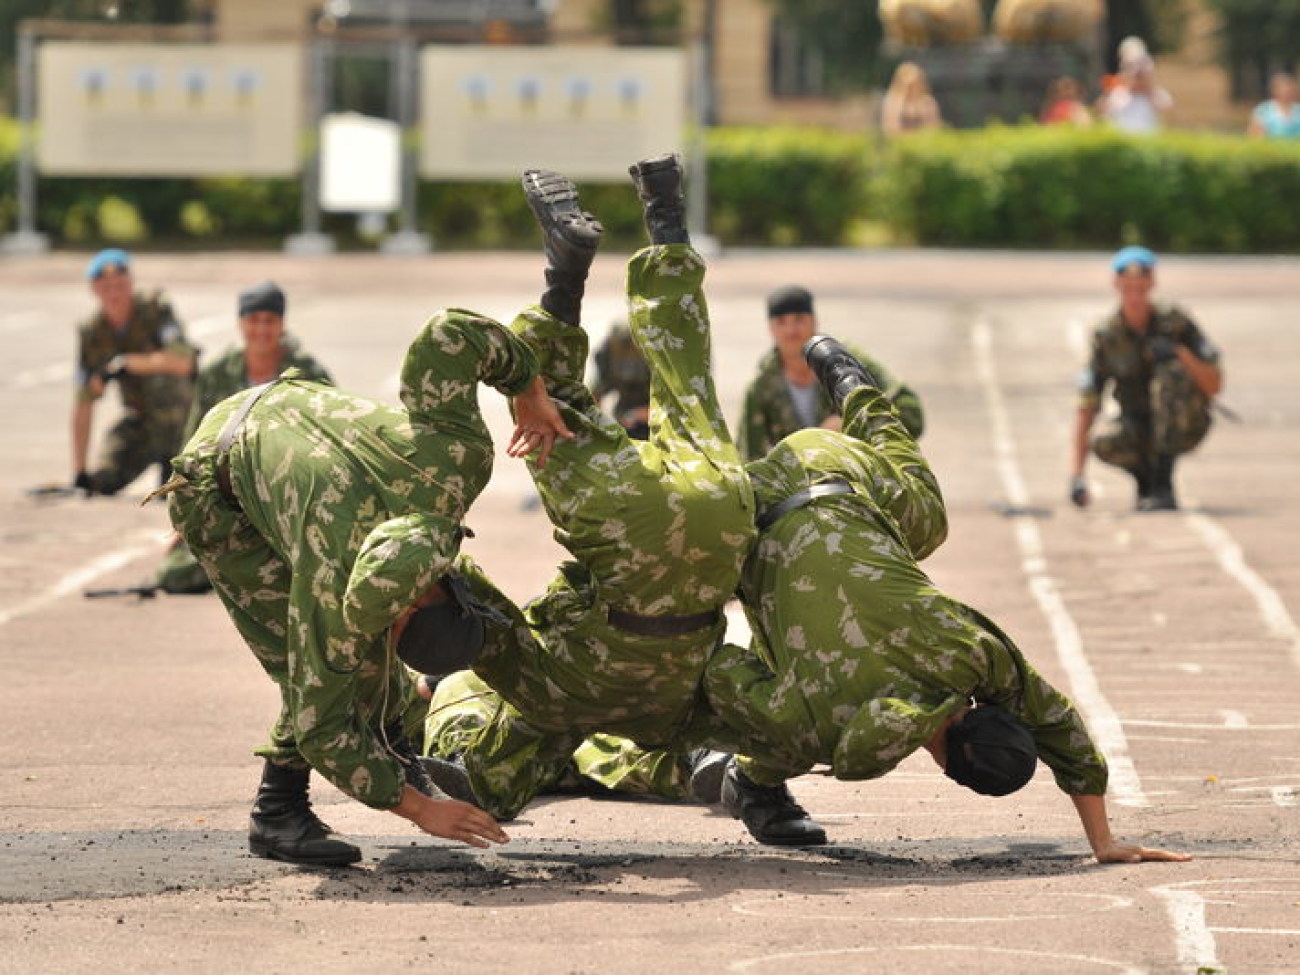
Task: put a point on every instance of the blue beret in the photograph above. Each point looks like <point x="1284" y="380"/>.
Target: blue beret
<point x="113" y="259"/>
<point x="1133" y="257"/>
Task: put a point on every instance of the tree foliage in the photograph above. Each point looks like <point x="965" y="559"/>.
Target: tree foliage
<point x="846" y="33"/>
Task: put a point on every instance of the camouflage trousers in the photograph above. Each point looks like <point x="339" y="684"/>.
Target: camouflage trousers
<point x="1179" y="420"/>
<point x="180" y="572"/>
<point x="130" y="447"/>
<point x="463" y="706"/>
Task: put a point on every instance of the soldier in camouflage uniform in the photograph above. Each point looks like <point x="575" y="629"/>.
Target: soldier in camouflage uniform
<point x="621" y="369"/>
<point x="860" y="660"/>
<point x="785" y="396"/>
<point x="267" y="350"/>
<point x="1164" y="375"/>
<point x="328" y="524"/>
<point x="658" y="529"/>
<point x="136" y="339"/>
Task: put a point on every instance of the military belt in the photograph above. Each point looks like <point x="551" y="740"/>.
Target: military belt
<point x="228" y="437"/>
<point x="770" y="516"/>
<point x="662" y="625"/>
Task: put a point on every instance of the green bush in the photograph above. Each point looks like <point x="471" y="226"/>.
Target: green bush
<point x="785" y="186"/>
<point x="1037" y="187"/>
<point x="1002" y="186"/>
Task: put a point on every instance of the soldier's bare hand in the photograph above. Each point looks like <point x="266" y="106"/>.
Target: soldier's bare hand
<point x="537" y="424"/>
<point x="1079" y="492"/>
<point x="451" y="819"/>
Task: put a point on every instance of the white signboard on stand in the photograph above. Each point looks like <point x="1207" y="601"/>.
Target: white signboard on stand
<point x="588" y="112"/>
<point x="360" y="164"/>
<point x="117" y="109"/>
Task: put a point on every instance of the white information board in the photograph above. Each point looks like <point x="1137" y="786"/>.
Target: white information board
<point x="117" y="109"/>
<point x="588" y="112"/>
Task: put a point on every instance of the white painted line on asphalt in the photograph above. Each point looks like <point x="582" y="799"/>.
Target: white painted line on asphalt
<point x="75" y="581"/>
<point x="1203" y="726"/>
<point x="965" y="955"/>
<point x="1233" y="719"/>
<point x="16" y="321"/>
<point x="1284" y="796"/>
<point x="1290" y="932"/>
<point x="1102" y="720"/>
<point x="1271" y="607"/>
<point x="1047" y="906"/>
<point x="1195" y="944"/>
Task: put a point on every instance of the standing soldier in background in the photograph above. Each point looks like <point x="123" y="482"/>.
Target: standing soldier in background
<point x="136" y="339"/>
<point x="785" y="395"/>
<point x="266" y="352"/>
<point x="1164" y="375"/>
<point x="621" y="369"/>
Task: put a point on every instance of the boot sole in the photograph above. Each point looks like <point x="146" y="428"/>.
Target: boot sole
<point x="270" y="853"/>
<point x="554" y="201"/>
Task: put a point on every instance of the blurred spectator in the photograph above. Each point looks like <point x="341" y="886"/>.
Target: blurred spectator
<point x="1279" y="117"/>
<point x="1135" y="103"/>
<point x="1064" y="104"/>
<point x="621" y="369"/>
<point x="908" y="105"/>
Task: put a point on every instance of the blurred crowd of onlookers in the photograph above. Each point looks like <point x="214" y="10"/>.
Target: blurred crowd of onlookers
<point x="1131" y="100"/>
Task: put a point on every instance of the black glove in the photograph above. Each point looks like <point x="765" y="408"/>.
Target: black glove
<point x="82" y="482"/>
<point x="1079" y="491"/>
<point x="1162" y="348"/>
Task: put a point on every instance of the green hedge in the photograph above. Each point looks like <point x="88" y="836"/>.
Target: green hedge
<point x="1026" y="187"/>
<point x="1036" y="187"/>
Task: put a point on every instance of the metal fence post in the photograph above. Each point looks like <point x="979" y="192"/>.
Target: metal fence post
<point x="26" y="239"/>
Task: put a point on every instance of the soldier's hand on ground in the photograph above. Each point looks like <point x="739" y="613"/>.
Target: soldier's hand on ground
<point x="1079" y="495"/>
<point x="1162" y="348"/>
<point x="537" y="424"/>
<point x="1116" y="852"/>
<point x="455" y="820"/>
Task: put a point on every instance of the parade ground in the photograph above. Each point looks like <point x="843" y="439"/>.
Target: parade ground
<point x="126" y="766"/>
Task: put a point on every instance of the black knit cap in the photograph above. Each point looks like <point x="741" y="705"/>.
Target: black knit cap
<point x="990" y="751"/>
<point x="441" y="639"/>
<point x="790" y="300"/>
<point x="266" y="296"/>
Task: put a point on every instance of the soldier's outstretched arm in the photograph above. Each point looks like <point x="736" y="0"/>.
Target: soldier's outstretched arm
<point x="1107" y="849"/>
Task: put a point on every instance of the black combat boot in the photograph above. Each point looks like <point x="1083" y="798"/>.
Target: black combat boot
<point x="707" y="770"/>
<point x="451" y="777"/>
<point x="283" y="827"/>
<point x="1160" y="497"/>
<point x="659" y="184"/>
<point x="840" y="373"/>
<point x="570" y="238"/>
<point x="1143" y="480"/>
<point x="769" y="812"/>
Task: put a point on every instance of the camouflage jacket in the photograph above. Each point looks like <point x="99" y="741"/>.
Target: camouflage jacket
<point x="1119" y="358"/>
<point x="228" y="375"/>
<point x="153" y="327"/>
<point x="860" y="657"/>
<point x="769" y="412"/>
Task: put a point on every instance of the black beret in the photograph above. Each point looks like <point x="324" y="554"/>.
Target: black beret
<point x="266" y="296"/>
<point x="790" y="300"/>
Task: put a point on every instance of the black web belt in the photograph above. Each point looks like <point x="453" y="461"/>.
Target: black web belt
<point x="662" y="625"/>
<point x="770" y="516"/>
<point x="228" y="437"/>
